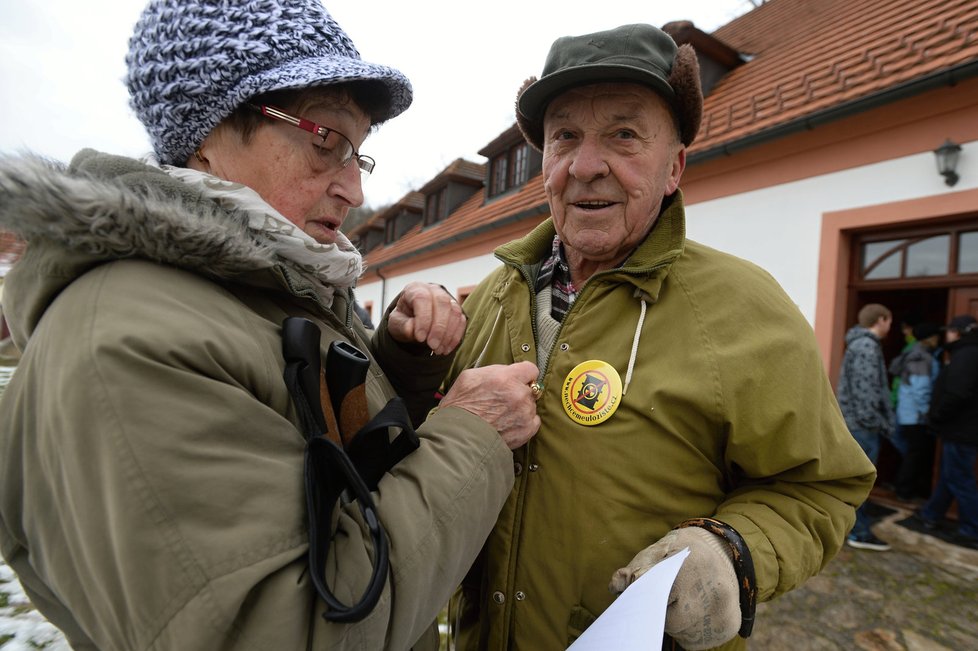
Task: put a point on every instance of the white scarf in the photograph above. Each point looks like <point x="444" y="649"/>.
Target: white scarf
<point x="327" y="266"/>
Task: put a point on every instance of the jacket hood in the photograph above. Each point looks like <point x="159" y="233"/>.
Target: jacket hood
<point x="859" y="332"/>
<point x="102" y="208"/>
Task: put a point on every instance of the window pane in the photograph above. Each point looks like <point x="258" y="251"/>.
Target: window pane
<point x="889" y="266"/>
<point x="498" y="175"/>
<point x="929" y="257"/>
<point x="519" y="154"/>
<point x="968" y="253"/>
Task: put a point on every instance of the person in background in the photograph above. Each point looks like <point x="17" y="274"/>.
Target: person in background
<point x="865" y="402"/>
<point x="151" y="457"/>
<point x="682" y="395"/>
<point x="363" y="315"/>
<point x="918" y="370"/>
<point x="953" y="417"/>
<point x="898" y="440"/>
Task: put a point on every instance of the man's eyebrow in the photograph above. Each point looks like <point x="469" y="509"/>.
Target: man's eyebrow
<point x="625" y="117"/>
<point x="617" y="117"/>
<point x="560" y="113"/>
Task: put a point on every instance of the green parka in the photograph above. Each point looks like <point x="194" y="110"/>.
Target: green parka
<point x="727" y="413"/>
<point x="151" y="492"/>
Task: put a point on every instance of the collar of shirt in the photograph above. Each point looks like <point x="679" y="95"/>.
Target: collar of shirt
<point x="555" y="272"/>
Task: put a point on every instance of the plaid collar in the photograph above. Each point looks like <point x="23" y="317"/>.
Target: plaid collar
<point x="556" y="273"/>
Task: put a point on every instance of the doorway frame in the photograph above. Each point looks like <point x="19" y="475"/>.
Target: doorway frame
<point x="835" y="253"/>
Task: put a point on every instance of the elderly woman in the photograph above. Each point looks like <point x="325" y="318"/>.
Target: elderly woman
<point x="152" y="489"/>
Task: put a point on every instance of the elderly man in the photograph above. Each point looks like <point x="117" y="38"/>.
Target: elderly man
<point x="682" y="396"/>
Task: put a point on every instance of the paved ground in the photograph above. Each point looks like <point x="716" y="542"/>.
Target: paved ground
<point x="920" y="596"/>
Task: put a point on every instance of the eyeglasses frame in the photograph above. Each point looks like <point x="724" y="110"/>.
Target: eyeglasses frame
<point x="364" y="162"/>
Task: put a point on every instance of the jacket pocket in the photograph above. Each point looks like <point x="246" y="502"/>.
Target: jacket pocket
<point x="580" y="618"/>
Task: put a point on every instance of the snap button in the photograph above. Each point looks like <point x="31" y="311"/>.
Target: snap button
<point x="518" y="468"/>
<point x="534" y="467"/>
<point x="520" y="596"/>
<point x="565" y="347"/>
<point x="498" y="597"/>
<point x="525" y="348"/>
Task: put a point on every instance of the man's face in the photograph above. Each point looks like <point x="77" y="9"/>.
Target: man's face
<point x="951" y="335"/>
<point x="883" y="326"/>
<point x="611" y="152"/>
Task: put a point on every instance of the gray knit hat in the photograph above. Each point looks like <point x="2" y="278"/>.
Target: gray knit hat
<point x="193" y="62"/>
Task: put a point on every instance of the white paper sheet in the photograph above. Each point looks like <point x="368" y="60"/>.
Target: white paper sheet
<point x="635" y="620"/>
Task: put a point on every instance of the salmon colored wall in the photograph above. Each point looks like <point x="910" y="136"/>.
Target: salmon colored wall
<point x="912" y="126"/>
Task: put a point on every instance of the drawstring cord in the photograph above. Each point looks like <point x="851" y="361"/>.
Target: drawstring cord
<point x="631" y="358"/>
<point x="478" y="361"/>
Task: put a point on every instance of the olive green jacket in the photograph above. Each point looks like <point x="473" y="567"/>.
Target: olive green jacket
<point x="727" y="413"/>
<point x="151" y="487"/>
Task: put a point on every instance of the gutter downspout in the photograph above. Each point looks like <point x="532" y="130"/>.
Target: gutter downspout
<point x="383" y="290"/>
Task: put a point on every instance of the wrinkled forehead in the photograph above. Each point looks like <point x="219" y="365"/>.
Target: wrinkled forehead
<point x="615" y="100"/>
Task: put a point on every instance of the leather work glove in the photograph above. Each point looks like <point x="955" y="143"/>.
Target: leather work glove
<point x="704" y="604"/>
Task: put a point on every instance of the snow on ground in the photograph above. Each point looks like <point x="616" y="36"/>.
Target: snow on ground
<point x="21" y="627"/>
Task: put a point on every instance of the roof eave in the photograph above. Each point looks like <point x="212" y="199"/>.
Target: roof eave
<point x="947" y="77"/>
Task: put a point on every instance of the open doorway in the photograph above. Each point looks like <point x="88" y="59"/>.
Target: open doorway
<point x="915" y="306"/>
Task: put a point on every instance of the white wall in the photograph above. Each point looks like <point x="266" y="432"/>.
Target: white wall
<point x="777" y="228"/>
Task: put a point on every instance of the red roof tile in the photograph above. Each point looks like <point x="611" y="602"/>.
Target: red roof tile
<point x="458" y="170"/>
<point x="812" y="55"/>
<point x="471" y="217"/>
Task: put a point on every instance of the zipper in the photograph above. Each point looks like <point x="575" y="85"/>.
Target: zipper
<point x="523" y="269"/>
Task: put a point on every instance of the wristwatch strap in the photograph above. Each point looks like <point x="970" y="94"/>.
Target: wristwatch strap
<point x="743" y="567"/>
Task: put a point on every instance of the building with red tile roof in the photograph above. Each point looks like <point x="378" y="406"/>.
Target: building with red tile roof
<point x="816" y="159"/>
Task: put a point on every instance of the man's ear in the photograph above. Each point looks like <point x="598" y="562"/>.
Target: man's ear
<point x="676" y="173"/>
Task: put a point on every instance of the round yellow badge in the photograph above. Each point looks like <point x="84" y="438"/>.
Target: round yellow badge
<point x="591" y="392"/>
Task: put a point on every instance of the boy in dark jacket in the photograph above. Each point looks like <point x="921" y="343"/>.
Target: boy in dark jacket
<point x="954" y="418"/>
<point x="864" y="400"/>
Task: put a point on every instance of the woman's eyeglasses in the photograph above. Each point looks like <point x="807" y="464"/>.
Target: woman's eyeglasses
<point x="334" y="144"/>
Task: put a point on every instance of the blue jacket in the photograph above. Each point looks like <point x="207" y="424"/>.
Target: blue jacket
<point x="918" y="369"/>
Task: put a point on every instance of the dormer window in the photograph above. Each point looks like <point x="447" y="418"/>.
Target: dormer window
<point x="500" y="169"/>
<point x="512" y="162"/>
<point x="399" y="224"/>
<point x="434" y="207"/>
<point x="510" y="169"/>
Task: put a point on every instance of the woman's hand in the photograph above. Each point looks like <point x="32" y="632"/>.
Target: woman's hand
<point x="427" y="314"/>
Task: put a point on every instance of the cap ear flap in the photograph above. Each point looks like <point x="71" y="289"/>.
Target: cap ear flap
<point x="685" y="82"/>
<point x="533" y="133"/>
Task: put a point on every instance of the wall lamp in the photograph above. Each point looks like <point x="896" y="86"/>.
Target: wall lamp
<point x="947" y="161"/>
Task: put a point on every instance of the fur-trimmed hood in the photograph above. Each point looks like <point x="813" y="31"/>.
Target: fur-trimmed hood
<point x="102" y="208"/>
